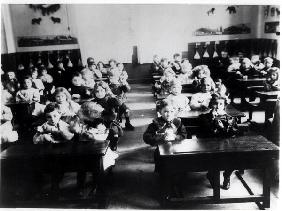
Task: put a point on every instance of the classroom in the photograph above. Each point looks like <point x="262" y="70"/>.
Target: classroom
<point x="185" y="99"/>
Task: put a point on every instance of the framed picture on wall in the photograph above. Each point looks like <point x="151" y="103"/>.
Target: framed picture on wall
<point x="271" y="27"/>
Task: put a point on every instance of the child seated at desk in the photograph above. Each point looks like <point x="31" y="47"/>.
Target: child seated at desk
<point x="258" y="66"/>
<point x="164" y="129"/>
<point x="272" y="80"/>
<point x="11" y="83"/>
<point x="200" y="72"/>
<point x="92" y="67"/>
<point x="220" y="88"/>
<point x="234" y="64"/>
<point x="77" y="89"/>
<point x="54" y="130"/>
<point x="164" y="85"/>
<point x="37" y="82"/>
<point x="47" y="82"/>
<point x="202" y="99"/>
<point x="186" y="75"/>
<point x="155" y="66"/>
<point x="164" y="65"/>
<point x="102" y="68"/>
<point x="217" y="123"/>
<point x="268" y="62"/>
<point x="176" y="64"/>
<point x="247" y="69"/>
<point x="88" y="78"/>
<point x="66" y="106"/>
<point x="8" y="135"/>
<point x="179" y="101"/>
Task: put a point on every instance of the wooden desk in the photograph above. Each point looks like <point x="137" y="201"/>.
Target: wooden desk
<point x="163" y="96"/>
<point x="72" y="156"/>
<point x="213" y="154"/>
<point x="193" y="115"/>
<point x="268" y="95"/>
<point x="251" y="81"/>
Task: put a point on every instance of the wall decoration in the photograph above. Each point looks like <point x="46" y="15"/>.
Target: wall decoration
<point x="237" y="29"/>
<point x="46" y="9"/>
<point x="36" y="21"/>
<point x="56" y="20"/>
<point x="197" y="55"/>
<point x="211" y="11"/>
<point x="277" y="11"/>
<point x="232" y="9"/>
<point x="207" y="31"/>
<point x="46" y="40"/>
<point x="271" y="27"/>
<point x="266" y="11"/>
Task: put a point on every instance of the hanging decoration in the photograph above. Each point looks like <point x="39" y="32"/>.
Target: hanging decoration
<point x="232" y="9"/>
<point x="46" y="9"/>
<point x="215" y="51"/>
<point x="36" y="21"/>
<point x="197" y="55"/>
<point x="211" y="11"/>
<point x="49" y="66"/>
<point x="206" y="54"/>
<point x="55" y="20"/>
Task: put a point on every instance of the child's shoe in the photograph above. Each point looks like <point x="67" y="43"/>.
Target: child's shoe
<point x="226" y="183"/>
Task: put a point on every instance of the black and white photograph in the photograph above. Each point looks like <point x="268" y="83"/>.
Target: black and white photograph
<point x="185" y="98"/>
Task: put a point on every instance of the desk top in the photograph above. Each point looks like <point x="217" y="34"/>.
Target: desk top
<point x="254" y="143"/>
<point x="163" y="96"/>
<point x="72" y="148"/>
<point x="196" y="113"/>
<point x="250" y="79"/>
<point x="270" y="93"/>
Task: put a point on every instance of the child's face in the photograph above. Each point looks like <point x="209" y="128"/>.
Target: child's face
<point x="53" y="117"/>
<point x="245" y="65"/>
<point x="61" y="65"/>
<point x="176" y="89"/>
<point x="220" y="105"/>
<point x="177" y="58"/>
<point x="169" y="77"/>
<point x="27" y="83"/>
<point x="165" y="63"/>
<point x="34" y="75"/>
<point x="100" y="92"/>
<point x="206" y="86"/>
<point x="156" y="59"/>
<point x="76" y="81"/>
<point x="61" y="98"/>
<point x="217" y="84"/>
<point x="100" y="65"/>
<point x="11" y="75"/>
<point x="92" y="67"/>
<point x="201" y="74"/>
<point x="112" y="64"/>
<point x="120" y="67"/>
<point x="44" y="72"/>
<point x="273" y="76"/>
<point x="268" y="64"/>
<point x="168" y="113"/>
<point x="224" y="54"/>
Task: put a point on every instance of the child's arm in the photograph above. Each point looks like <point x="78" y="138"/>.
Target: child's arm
<point x="36" y="96"/>
<point x="151" y="136"/>
<point x="97" y="73"/>
<point x="6" y="114"/>
<point x="64" y="131"/>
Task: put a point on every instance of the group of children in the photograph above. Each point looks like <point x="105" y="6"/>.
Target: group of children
<point x="210" y="94"/>
<point x="84" y="109"/>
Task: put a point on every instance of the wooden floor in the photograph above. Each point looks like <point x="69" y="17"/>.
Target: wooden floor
<point x="134" y="185"/>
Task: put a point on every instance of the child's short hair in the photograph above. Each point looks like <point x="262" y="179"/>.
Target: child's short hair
<point x="175" y="82"/>
<point x="247" y="61"/>
<point x="100" y="62"/>
<point x="255" y="59"/>
<point x="215" y="98"/>
<point x="113" y="60"/>
<point x="64" y="91"/>
<point x="268" y="59"/>
<point x="41" y="69"/>
<point x="273" y="70"/>
<point x="102" y="84"/>
<point x="176" y="55"/>
<point x="207" y="80"/>
<point x="90" y="61"/>
<point x="203" y="68"/>
<point x="163" y="103"/>
<point x="164" y="59"/>
<point x="50" y="108"/>
<point x="169" y="71"/>
<point x="76" y="74"/>
<point x="91" y="110"/>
